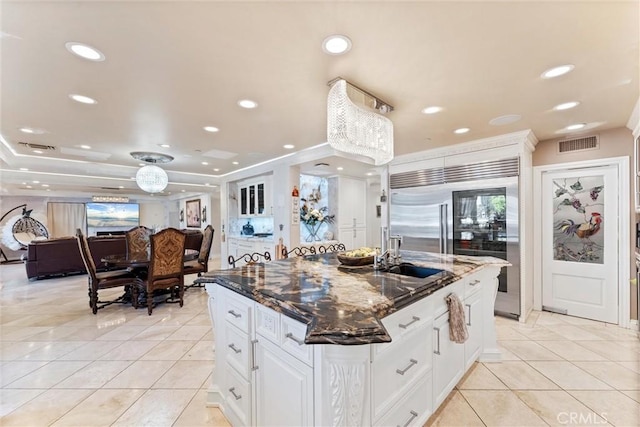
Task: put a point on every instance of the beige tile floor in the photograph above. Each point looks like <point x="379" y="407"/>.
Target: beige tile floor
<point x="62" y="366"/>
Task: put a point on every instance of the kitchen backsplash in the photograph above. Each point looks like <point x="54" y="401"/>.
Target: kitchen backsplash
<point x="260" y="225"/>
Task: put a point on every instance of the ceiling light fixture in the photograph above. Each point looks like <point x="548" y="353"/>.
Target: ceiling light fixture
<point x="37" y="151"/>
<point x="83" y="99"/>
<point x="216" y="169"/>
<point x="557" y="71"/>
<point x="205" y="163"/>
<point x="336" y="44"/>
<point x="339" y="168"/>
<point x="235" y="163"/>
<point x="566" y="105"/>
<point x="576" y="126"/>
<point x="289" y="146"/>
<point x="164" y="145"/>
<point x="356" y="130"/>
<point x="432" y="110"/>
<point x="24" y="169"/>
<point x="211" y="129"/>
<point x="85" y="51"/>
<point x="85" y="147"/>
<point x="31" y="131"/>
<point x="247" y="103"/>
<point x="151" y="178"/>
<point x="460" y="131"/>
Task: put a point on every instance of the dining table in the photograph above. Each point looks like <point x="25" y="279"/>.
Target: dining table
<point x="139" y="260"/>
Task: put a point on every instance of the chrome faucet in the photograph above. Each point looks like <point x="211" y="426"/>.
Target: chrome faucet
<point x="389" y="250"/>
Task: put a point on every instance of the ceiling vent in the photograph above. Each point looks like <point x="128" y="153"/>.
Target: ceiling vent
<point x="37" y="146"/>
<point x="579" y="144"/>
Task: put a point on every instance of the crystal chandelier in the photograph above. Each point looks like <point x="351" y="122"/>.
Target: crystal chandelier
<point x="151" y="178"/>
<point x="356" y="130"/>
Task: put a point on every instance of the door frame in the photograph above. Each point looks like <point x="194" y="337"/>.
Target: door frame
<point x="622" y="164"/>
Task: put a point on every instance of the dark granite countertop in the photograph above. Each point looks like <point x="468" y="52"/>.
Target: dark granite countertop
<point x="340" y="304"/>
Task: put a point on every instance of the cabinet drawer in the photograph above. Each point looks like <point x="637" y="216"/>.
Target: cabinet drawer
<point x="292" y="334"/>
<point x="237" y="351"/>
<point x="268" y="323"/>
<point x="408" y="319"/>
<point x="473" y="284"/>
<point x="413" y="409"/>
<point x="396" y="369"/>
<point x="238" y="396"/>
<point x="237" y="311"/>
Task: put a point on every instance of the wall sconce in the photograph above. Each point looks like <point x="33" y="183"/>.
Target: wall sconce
<point x="181" y="215"/>
<point x="204" y="214"/>
<point x="383" y="197"/>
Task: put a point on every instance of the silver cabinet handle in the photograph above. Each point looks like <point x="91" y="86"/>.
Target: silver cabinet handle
<point x="233" y="347"/>
<point x="475" y="282"/>
<point x="469" y="316"/>
<point x="232" y="390"/>
<point x="297" y="340"/>
<point x="438" y="341"/>
<point x="234" y="314"/>
<point x="413" y="415"/>
<point x="254" y="367"/>
<point x="415" y="319"/>
<point x="412" y="362"/>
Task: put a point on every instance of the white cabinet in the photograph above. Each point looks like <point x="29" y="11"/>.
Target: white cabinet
<point x="352" y="212"/>
<point x="448" y="360"/>
<point x="254" y="198"/>
<point x="353" y="238"/>
<point x="284" y="387"/>
<point x="473" y="315"/>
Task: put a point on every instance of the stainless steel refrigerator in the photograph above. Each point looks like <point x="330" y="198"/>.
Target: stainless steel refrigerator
<point x="477" y="218"/>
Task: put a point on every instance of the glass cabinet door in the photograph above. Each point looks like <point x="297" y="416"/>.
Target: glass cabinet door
<point x="260" y="199"/>
<point x="243" y="201"/>
<point x="252" y="200"/>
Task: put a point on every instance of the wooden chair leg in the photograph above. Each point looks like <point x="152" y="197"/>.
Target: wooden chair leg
<point x="149" y="302"/>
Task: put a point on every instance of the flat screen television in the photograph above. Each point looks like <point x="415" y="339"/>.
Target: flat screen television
<point x="113" y="215"/>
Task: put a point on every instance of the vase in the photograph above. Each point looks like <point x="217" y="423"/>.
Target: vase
<point x="313" y="232"/>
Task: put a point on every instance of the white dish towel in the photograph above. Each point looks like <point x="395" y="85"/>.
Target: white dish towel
<point x="457" y="325"/>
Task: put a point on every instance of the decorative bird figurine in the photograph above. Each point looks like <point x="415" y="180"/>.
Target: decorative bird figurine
<point x="584" y="230"/>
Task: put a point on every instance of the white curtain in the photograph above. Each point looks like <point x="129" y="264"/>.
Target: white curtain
<point x="64" y="218"/>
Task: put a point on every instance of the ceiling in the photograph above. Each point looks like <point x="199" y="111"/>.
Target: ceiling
<point x="173" y="67"/>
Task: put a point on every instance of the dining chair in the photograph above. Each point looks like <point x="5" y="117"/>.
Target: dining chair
<point x="336" y="247"/>
<point x="102" y="280"/>
<point x="299" y="251"/>
<point x="138" y="239"/>
<point x="201" y="265"/>
<point x="249" y="258"/>
<point x="166" y="267"/>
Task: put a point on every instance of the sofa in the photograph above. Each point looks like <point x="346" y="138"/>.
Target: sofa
<point x="61" y="256"/>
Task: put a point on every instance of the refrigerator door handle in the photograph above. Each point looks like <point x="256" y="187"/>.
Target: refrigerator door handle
<point x="443" y="229"/>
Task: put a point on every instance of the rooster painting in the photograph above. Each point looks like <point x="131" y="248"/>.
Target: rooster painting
<point x="583" y="230"/>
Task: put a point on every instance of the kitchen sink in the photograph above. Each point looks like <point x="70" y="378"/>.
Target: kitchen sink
<point x="407" y="269"/>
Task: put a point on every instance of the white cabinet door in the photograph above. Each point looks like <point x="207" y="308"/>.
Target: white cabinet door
<point x="448" y="360"/>
<point x="283" y="388"/>
<point x="473" y="315"/>
<point x="352" y="210"/>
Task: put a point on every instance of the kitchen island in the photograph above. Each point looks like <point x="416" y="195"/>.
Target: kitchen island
<point x="307" y="341"/>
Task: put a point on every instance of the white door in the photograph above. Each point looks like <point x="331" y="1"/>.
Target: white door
<point x="579" y="242"/>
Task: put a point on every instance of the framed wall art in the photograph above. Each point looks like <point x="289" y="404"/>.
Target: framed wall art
<point x="193" y="213"/>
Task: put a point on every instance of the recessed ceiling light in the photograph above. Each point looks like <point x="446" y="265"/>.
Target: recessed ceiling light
<point x="85" y="51"/>
<point x="431" y="110"/>
<point x="35" y="182"/>
<point x="205" y="163"/>
<point x="83" y="99"/>
<point x="566" y="105"/>
<point x="37" y="151"/>
<point x="85" y="147"/>
<point x="120" y="186"/>
<point x="28" y="186"/>
<point x="45" y="185"/>
<point x="505" y="120"/>
<point x="24" y="169"/>
<point x="216" y="169"/>
<point x="211" y="129"/>
<point x="24" y="183"/>
<point x="31" y="131"/>
<point x="336" y="44"/>
<point x="235" y="163"/>
<point x="288" y="146"/>
<point x="557" y="71"/>
<point x="576" y="126"/>
<point x="340" y="168"/>
<point x="247" y="103"/>
<point x="133" y="177"/>
<point x="142" y="164"/>
<point x="164" y="145"/>
<point x="182" y="191"/>
<point x="369" y="173"/>
<point x="461" y="130"/>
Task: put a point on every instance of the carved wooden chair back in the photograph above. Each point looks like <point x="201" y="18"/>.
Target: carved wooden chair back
<point x="299" y="251"/>
<point x="166" y="265"/>
<point x="249" y="258"/>
<point x="205" y="248"/>
<point x="138" y="242"/>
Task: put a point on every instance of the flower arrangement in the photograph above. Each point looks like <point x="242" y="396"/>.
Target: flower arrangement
<point x="312" y="216"/>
